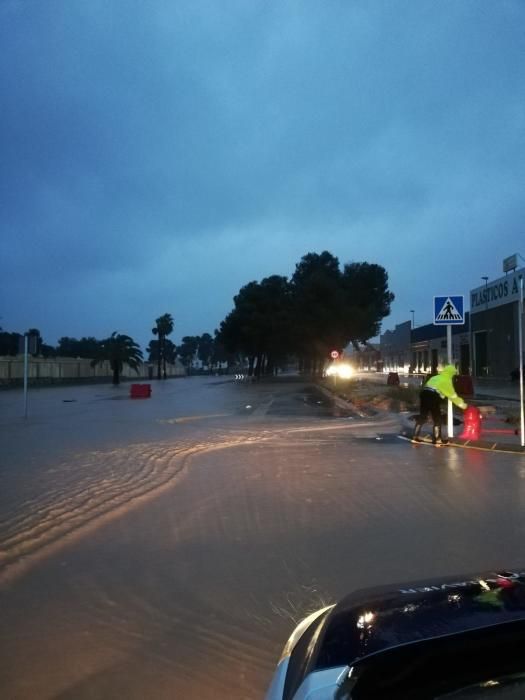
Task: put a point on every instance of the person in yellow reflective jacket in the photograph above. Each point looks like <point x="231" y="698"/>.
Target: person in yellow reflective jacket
<point x="434" y="391"/>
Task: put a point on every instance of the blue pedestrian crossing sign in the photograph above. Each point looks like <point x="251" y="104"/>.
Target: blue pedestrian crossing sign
<point x="448" y="311"/>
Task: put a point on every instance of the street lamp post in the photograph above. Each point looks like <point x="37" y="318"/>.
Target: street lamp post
<point x="486" y="292"/>
<point x="520" y="343"/>
<point x="486" y="320"/>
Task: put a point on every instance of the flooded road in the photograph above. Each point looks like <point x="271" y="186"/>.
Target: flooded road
<point x="165" y="548"/>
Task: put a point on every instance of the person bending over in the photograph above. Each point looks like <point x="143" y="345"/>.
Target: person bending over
<point x="434" y="391"/>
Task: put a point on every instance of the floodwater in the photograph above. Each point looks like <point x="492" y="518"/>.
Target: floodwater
<point x="165" y="548"/>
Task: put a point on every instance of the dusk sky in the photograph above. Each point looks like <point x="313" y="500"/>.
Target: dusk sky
<point x="156" y="156"/>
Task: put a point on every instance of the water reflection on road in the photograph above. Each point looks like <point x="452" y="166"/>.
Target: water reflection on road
<point x="173" y="559"/>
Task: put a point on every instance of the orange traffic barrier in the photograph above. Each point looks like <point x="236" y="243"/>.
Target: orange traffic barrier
<point x="472" y="424"/>
<point x="473" y="428"/>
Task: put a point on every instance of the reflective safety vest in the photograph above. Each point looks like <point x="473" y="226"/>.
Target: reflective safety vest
<point x="442" y="383"/>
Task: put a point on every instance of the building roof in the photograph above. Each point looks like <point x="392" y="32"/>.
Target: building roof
<point x="431" y="332"/>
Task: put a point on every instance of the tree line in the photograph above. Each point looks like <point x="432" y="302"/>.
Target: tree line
<point x="120" y="349"/>
<point x="322" y="307"/>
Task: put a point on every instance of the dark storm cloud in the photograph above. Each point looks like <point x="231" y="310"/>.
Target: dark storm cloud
<point x="159" y="155"/>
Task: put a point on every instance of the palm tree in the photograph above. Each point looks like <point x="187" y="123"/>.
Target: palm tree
<point x="119" y="350"/>
<point x="163" y="327"/>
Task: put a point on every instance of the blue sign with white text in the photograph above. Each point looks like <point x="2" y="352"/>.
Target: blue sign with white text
<point x="448" y="311"/>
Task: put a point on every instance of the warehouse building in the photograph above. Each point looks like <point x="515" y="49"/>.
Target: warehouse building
<point x="487" y="345"/>
<point x="494" y="310"/>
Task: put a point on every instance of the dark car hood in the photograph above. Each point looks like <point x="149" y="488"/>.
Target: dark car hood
<point x="394" y="621"/>
<point x="372" y="620"/>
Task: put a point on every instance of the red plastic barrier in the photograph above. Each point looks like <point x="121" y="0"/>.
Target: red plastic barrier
<point x="472" y="424"/>
<point x="140" y="391"/>
<point x="463" y="385"/>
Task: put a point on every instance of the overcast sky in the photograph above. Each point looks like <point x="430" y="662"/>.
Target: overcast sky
<point x="156" y="156"/>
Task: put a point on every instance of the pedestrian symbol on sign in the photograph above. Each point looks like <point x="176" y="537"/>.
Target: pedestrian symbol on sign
<point x="448" y="311"/>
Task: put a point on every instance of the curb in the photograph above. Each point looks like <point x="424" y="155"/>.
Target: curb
<point x="488" y="446"/>
<point x="483" y="445"/>
<point x="343" y="403"/>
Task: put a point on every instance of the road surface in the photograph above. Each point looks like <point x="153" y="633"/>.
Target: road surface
<point x="165" y="548"/>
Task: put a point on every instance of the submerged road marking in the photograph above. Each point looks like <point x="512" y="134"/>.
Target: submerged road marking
<point x="186" y="419"/>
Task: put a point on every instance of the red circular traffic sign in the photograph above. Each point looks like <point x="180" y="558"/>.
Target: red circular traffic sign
<point x="334" y="354"/>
